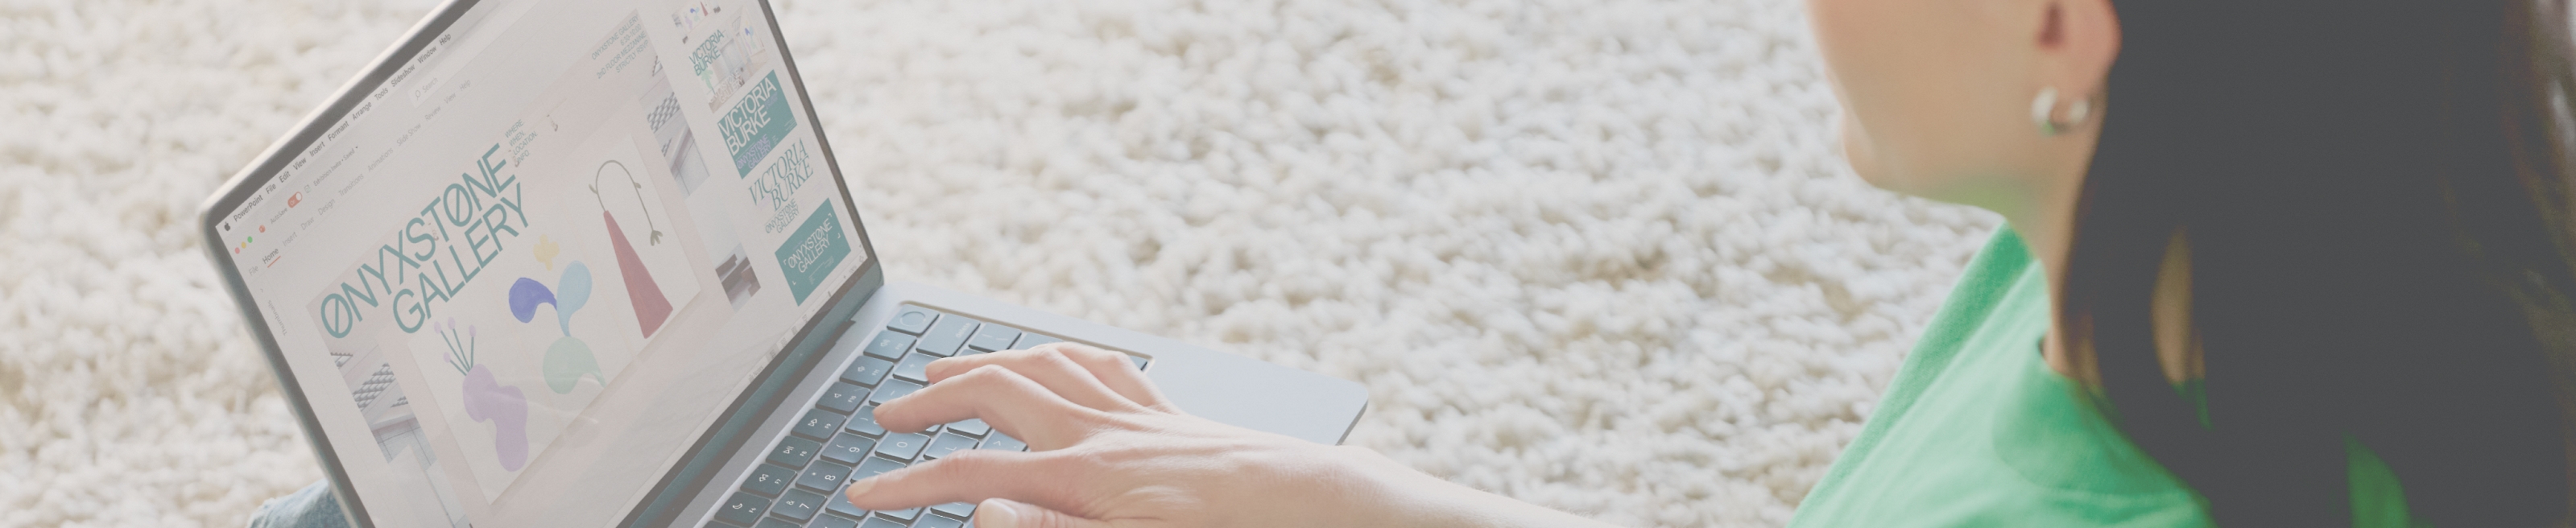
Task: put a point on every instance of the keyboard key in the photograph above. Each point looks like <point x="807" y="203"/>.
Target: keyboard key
<point x="867" y="371"/>
<point x="767" y="480"/>
<point x="902" y="446"/>
<point x="839" y="503"/>
<point x="876" y="466"/>
<point x="893" y="388"/>
<point x="914" y="367"/>
<point x="743" y="509"/>
<point x="1003" y="442"/>
<point x="889" y="345"/>
<point x="819" y="424"/>
<point x="961" y="510"/>
<point x="971" y="427"/>
<point x="1032" y="340"/>
<point x="794" y="452"/>
<point x="834" y="521"/>
<point x="798" y="504"/>
<point x="882" y="523"/>
<point x="848" y="449"/>
<point x="912" y="319"/>
<point x="934" y="521"/>
<point x="865" y="422"/>
<point x="843" y="397"/>
<point x="947" y="443"/>
<point x="993" y="337"/>
<point x="824" y="475"/>
<point x="905" y="514"/>
<point x="879" y="466"/>
<point x="947" y="335"/>
<point x="773" y="522"/>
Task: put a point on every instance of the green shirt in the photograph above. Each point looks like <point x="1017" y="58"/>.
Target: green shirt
<point x="1976" y="430"/>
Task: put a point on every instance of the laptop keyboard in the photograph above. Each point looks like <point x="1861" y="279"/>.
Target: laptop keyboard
<point x="837" y="440"/>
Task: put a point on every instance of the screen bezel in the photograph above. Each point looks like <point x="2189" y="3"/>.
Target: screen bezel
<point x="792" y="363"/>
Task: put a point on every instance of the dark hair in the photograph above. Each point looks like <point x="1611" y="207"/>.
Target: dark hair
<point x="2375" y="199"/>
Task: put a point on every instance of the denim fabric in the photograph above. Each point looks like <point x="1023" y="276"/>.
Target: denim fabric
<point x="311" y="507"/>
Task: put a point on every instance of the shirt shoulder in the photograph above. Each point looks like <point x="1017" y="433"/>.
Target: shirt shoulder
<point x="1974" y="430"/>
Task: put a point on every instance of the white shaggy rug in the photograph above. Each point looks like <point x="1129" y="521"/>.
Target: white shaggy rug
<point x="1597" y="255"/>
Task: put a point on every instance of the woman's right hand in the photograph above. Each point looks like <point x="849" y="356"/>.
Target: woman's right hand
<point x="1107" y="449"/>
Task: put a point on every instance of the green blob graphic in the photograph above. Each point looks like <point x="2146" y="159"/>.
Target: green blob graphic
<point x="567" y="361"/>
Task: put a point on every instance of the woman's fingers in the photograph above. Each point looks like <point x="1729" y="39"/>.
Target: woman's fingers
<point x="1051" y="397"/>
<point x="1116" y="371"/>
<point x="1047" y="366"/>
<point x="1000" y="396"/>
<point x="1006" y="513"/>
<point x="967" y="476"/>
<point x="1072" y="366"/>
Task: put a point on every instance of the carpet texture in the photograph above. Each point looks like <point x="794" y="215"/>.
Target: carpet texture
<point x="1596" y="255"/>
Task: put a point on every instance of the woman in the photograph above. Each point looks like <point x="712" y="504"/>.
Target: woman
<point x="2343" y="226"/>
<point x="2267" y="265"/>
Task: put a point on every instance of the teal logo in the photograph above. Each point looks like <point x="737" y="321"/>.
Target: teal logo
<point x="708" y="51"/>
<point x="813" y="251"/>
<point x="756" y="124"/>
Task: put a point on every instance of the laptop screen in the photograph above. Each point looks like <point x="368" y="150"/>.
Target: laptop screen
<point x="520" y="275"/>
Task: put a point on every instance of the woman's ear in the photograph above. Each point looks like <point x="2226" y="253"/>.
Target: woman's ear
<point x="2077" y="41"/>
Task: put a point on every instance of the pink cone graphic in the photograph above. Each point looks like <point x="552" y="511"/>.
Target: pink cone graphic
<point x="650" y="306"/>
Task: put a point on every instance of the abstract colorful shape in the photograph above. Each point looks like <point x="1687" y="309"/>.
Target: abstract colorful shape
<point x="546" y="251"/>
<point x="526" y="295"/>
<point x="460" y="348"/>
<point x="651" y="308"/>
<point x="567" y="361"/>
<point x="572" y="291"/>
<point x="487" y="400"/>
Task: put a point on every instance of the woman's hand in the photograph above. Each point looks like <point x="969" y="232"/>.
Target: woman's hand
<point x="1106" y="449"/>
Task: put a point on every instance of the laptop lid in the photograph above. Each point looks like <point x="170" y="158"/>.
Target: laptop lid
<point x="542" y="257"/>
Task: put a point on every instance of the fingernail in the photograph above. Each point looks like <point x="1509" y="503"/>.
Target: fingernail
<point x="860" y="487"/>
<point x="994" y="513"/>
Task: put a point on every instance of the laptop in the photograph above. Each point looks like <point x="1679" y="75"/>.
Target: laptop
<point x="591" y="262"/>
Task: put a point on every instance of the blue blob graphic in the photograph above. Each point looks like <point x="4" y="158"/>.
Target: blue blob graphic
<point x="526" y="294"/>
<point x="572" y="292"/>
